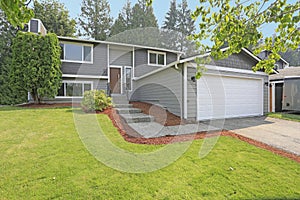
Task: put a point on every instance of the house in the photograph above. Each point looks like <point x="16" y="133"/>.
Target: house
<point x="285" y="90"/>
<point x="280" y="64"/>
<point x="229" y="88"/>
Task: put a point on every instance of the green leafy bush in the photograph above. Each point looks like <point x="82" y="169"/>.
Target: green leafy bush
<point x="95" y="100"/>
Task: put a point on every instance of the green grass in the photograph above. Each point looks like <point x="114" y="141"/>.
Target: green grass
<point x="38" y="145"/>
<point x="291" y="117"/>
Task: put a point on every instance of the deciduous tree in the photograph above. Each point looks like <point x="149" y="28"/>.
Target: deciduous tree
<point x="16" y="11"/>
<point x="238" y="24"/>
<point x="55" y="17"/>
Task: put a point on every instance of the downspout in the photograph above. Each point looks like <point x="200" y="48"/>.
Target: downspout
<point x="185" y="84"/>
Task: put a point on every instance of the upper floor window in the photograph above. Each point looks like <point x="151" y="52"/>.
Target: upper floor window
<point x="81" y="53"/>
<point x="156" y="58"/>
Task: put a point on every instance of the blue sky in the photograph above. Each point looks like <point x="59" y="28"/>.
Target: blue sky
<point x="160" y="7"/>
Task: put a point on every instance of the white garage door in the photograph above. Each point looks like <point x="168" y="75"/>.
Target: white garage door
<point x="226" y="97"/>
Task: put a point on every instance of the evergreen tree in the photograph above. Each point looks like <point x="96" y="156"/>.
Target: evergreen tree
<point x="142" y="15"/>
<point x="7" y="88"/>
<point x="185" y="26"/>
<point x="36" y="64"/>
<point x="171" y="20"/>
<point x="95" y="19"/>
<point x="178" y="25"/>
<point x="292" y="56"/>
<point x="122" y="23"/>
<point x="55" y="17"/>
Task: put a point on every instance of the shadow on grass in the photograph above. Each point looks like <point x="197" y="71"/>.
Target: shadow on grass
<point x="16" y="108"/>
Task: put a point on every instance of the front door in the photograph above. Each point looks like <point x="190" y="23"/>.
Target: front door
<point x="115" y="80"/>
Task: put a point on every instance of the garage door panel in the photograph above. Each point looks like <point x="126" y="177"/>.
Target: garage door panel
<point x="225" y="97"/>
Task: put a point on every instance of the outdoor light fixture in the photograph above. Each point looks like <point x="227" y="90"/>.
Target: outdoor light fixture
<point x="193" y="78"/>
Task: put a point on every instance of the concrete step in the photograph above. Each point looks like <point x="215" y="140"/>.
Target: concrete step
<point x="120" y="99"/>
<point x="137" y="118"/>
<point x="123" y="106"/>
<point x="128" y="110"/>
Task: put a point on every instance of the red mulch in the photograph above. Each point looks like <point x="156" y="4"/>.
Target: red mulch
<point x="161" y="115"/>
<point x="130" y="135"/>
<point x="50" y="105"/>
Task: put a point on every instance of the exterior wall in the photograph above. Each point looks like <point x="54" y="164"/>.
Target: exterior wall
<point x="98" y="84"/>
<point x="191" y="94"/>
<point x="192" y="89"/>
<point x="238" y="61"/>
<point x="163" y="88"/>
<point x="120" y="57"/>
<point x="141" y="62"/>
<point x="98" y="68"/>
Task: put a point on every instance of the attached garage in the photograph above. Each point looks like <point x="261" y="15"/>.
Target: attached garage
<point x="220" y="96"/>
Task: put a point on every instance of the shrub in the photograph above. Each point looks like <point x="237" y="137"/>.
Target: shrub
<point x="95" y="100"/>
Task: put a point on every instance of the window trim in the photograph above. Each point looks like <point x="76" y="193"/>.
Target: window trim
<point x="157" y="53"/>
<point x="128" y="67"/>
<point x="71" y="81"/>
<point x="82" y="52"/>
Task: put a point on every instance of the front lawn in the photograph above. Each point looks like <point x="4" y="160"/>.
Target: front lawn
<point x="42" y="157"/>
<point x="286" y="116"/>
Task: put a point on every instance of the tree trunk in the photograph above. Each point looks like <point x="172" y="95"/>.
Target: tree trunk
<point x="35" y="97"/>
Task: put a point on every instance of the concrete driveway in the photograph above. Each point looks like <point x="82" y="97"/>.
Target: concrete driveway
<point x="278" y="133"/>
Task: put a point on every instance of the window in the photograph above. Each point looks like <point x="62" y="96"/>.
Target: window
<point x="76" y="53"/>
<point x="156" y="58"/>
<point x="128" y="78"/>
<point x="74" y="89"/>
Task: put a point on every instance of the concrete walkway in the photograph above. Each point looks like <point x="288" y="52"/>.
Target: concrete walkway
<point x="153" y="129"/>
<point x="278" y="133"/>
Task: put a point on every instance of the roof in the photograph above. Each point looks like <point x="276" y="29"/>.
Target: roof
<point x="224" y="49"/>
<point x="283" y="60"/>
<point x="285" y="73"/>
<point x="116" y="43"/>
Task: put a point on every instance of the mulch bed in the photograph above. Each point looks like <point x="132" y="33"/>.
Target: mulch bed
<point x="131" y="136"/>
<point x="169" y="119"/>
<point x="161" y="116"/>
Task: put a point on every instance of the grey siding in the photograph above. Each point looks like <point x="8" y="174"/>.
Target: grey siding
<point x="98" y="68"/>
<point x="191" y="94"/>
<point x="164" y="88"/>
<point x="171" y="57"/>
<point x="141" y="61"/>
<point x="144" y="69"/>
<point x="120" y="57"/>
<point x="239" y="61"/>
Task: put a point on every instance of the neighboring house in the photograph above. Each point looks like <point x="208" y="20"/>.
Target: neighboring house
<point x="229" y="88"/>
<point x="280" y="64"/>
<point x="285" y="90"/>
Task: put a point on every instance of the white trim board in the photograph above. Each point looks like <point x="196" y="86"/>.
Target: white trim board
<point x="156" y="71"/>
<point x="185" y="92"/>
<point x="117" y="44"/>
<point x="228" y="69"/>
<point x="224" y="49"/>
<point x="84" y="76"/>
